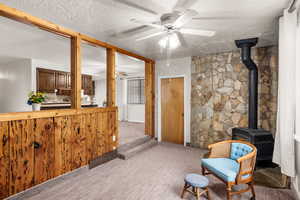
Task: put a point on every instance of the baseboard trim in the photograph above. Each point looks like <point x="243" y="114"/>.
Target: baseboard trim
<point x="135" y="121"/>
<point x="103" y="159"/>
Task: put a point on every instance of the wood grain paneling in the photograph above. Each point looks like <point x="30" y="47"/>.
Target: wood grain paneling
<point x="104" y="130"/>
<point x="44" y="155"/>
<point x="91" y="135"/>
<point x="100" y="136"/>
<point x="62" y="144"/>
<point x="4" y="160"/>
<point x="79" y="146"/>
<point x="150" y="98"/>
<point x="21" y="137"/>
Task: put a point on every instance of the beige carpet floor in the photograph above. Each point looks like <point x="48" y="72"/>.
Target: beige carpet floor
<point x="155" y="174"/>
<point x="130" y="131"/>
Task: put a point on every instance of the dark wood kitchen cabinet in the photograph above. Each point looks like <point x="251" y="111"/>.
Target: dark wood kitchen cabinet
<point x="45" y="80"/>
<point x="49" y="80"/>
<point x="87" y="84"/>
<point x="61" y="79"/>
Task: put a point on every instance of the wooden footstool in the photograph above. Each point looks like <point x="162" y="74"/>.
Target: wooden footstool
<point x="197" y="183"/>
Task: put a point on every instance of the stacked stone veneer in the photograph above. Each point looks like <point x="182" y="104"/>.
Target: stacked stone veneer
<point x="219" y="94"/>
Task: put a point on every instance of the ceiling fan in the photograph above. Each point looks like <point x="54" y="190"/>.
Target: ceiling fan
<point x="170" y="24"/>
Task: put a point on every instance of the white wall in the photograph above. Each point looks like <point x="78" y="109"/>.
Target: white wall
<point x="180" y="66"/>
<point x="122" y="99"/>
<point x="100" y="91"/>
<point x="128" y="112"/>
<point x="136" y="113"/>
<point x="15" y="85"/>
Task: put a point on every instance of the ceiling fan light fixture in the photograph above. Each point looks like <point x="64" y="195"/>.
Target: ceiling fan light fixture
<point x="171" y="41"/>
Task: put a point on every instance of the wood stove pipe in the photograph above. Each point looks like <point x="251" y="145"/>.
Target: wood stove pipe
<point x="245" y="46"/>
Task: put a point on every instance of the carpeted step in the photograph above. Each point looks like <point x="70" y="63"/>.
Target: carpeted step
<point x="133" y="150"/>
<point x="134" y="143"/>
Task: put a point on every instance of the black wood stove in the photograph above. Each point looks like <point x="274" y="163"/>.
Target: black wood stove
<point x="262" y="139"/>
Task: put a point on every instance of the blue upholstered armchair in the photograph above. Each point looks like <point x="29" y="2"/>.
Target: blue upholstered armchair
<point x="233" y="162"/>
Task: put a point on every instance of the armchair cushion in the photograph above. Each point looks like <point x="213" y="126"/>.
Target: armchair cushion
<point x="225" y="168"/>
<point x="239" y="150"/>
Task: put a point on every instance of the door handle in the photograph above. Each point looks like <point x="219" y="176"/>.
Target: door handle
<point x="36" y="145"/>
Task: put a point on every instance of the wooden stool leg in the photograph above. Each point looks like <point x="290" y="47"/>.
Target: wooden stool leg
<point x="184" y="188"/>
<point x="208" y="197"/>
<point x="228" y="192"/>
<point x="198" y="193"/>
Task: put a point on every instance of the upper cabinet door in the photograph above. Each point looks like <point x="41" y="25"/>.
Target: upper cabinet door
<point x="61" y="80"/>
<point x="88" y="85"/>
<point x="45" y="80"/>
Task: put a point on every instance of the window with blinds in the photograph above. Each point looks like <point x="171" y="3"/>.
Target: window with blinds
<point x="135" y="91"/>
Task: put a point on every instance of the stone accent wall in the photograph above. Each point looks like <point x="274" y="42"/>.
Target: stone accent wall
<point x="219" y="94"/>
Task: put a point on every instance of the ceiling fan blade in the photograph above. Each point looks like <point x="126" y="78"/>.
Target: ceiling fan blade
<point x="184" y="4"/>
<point x="197" y="32"/>
<point x="216" y="18"/>
<point x="132" y="32"/>
<point x="181" y="39"/>
<point x="185" y="18"/>
<point x="150" y="36"/>
<point x="136" y="6"/>
<point x="147" y="23"/>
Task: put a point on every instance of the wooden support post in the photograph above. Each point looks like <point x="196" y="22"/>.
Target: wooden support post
<point x="150" y="98"/>
<point x="76" y="72"/>
<point x="110" y="77"/>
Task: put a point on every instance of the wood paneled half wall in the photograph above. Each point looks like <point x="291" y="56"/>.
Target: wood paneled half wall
<point x="33" y="151"/>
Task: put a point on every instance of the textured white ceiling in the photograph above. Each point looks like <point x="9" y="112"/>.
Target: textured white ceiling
<point x="103" y="18"/>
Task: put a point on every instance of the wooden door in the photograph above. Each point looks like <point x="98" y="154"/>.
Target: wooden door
<point x="172" y="110"/>
<point x="45" y="80"/>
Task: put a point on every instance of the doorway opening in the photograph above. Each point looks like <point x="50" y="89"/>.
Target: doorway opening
<point x="130" y="95"/>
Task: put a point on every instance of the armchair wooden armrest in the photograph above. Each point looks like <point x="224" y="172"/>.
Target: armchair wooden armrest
<point x="247" y="165"/>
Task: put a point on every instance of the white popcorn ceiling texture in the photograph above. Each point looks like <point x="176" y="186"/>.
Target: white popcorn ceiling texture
<point x="103" y="18"/>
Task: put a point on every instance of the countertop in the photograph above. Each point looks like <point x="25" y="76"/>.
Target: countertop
<point x="46" y="106"/>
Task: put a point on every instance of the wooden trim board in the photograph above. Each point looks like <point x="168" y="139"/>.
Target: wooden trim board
<point x="110" y="77"/>
<point x="51" y="113"/>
